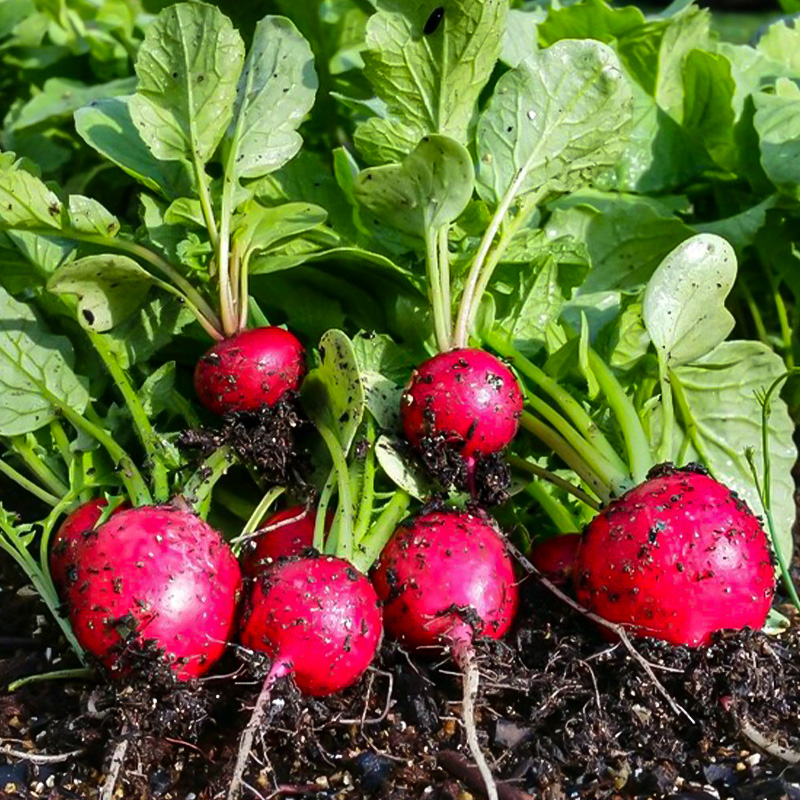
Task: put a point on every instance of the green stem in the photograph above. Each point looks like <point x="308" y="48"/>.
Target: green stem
<point x="198" y="489"/>
<point x="28" y="485"/>
<point x="755" y="312"/>
<point x="786" y="328"/>
<point x="40" y="470"/>
<point x="550" y="477"/>
<point x="205" y="200"/>
<point x="371" y="546"/>
<point x="322" y="514"/>
<point x="667" y="411"/>
<point x="129" y="474"/>
<point x="687" y="418"/>
<point x="480" y="271"/>
<point x="270" y="496"/>
<point x="435" y="290"/>
<point x="231" y="501"/>
<point x="367" y="487"/>
<point x="636" y="443"/>
<point x="597" y="463"/>
<point x="443" y="247"/>
<point x="147" y="436"/>
<point x="571" y="407"/>
<point x="61" y="442"/>
<point x="78" y="674"/>
<point x="568" y="455"/>
<point x="344" y="545"/>
<point x="558" y="512"/>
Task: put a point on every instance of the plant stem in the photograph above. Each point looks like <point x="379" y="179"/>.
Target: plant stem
<point x="28" y="485"/>
<point x="22" y="447"/>
<point x="443" y="248"/>
<point x="130" y="475"/>
<point x="322" y="513"/>
<point x="144" y="429"/>
<point x="544" y="474"/>
<point x="435" y="290"/>
<point x="568" y="404"/>
<point x="480" y="271"/>
<point x="77" y="674"/>
<point x="260" y="510"/>
<point x="61" y="442"/>
<point x="568" y="455"/>
<point x="689" y="422"/>
<point x="198" y="489"/>
<point x="557" y="511"/>
<point x="371" y="546"/>
<point x="636" y="443"/>
<point x="367" y="489"/>
<point x="667" y="412"/>
<point x="344" y="545"/>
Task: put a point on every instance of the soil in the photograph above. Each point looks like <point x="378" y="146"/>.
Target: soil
<point x="562" y="713"/>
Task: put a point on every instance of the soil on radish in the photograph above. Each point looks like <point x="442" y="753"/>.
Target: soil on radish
<point x="269" y="439"/>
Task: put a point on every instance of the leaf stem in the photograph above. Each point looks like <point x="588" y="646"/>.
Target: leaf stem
<point x="61" y="442"/>
<point x="144" y="429"/>
<point x="435" y="290"/>
<point x="322" y="513"/>
<point x="29" y="486"/>
<point x="471" y="296"/>
<point x="270" y="496"/>
<point x="550" y="477"/>
<point x="371" y="546"/>
<point x="571" y="407"/>
<point x="130" y="475"/>
<point x="22" y="447"/>
<point x="443" y="248"/>
<point x="198" y="489"/>
<point x="640" y="459"/>
<point x="344" y="545"/>
<point x="556" y="510"/>
<point x="568" y="455"/>
<point x="366" y="502"/>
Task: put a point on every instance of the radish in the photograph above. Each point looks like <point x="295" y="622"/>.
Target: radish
<point x="555" y="557"/>
<point x="286" y="533"/>
<point x="159" y="574"/>
<point x="319" y="620"/>
<point x="249" y="370"/>
<point x="444" y="579"/>
<point x="468" y="396"/>
<point x="64" y="554"/>
<point x="677" y="558"/>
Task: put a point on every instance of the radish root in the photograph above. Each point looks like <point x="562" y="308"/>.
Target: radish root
<point x="278" y="670"/>
<point x="464" y="656"/>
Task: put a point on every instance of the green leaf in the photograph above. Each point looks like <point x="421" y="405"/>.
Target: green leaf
<point x="429" y="82"/>
<point x="332" y="393"/>
<point x="25" y="202"/>
<point x="556" y="121"/>
<point x="86" y="215"/>
<point x="741" y="229"/>
<point x="590" y="19"/>
<point x="110" y="288"/>
<point x="275" y="92"/>
<point x="720" y="390"/>
<point x="781" y="42"/>
<point x="106" y="125"/>
<point x="258" y="229"/>
<point x="429" y="189"/>
<point x="157" y="391"/>
<point x="521" y="35"/>
<point x="36" y="375"/>
<point x="61" y="97"/>
<point x="626" y="236"/>
<point x="708" y="112"/>
<point x="777" y="121"/>
<point x="188" y="66"/>
<point x="401" y="470"/>
<point x="684" y="303"/>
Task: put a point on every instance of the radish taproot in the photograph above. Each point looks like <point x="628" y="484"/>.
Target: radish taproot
<point x="156" y="574"/>
<point x="554" y="557"/>
<point x="283" y="534"/>
<point x="677" y="558"/>
<point x="319" y="620"/>
<point x="64" y="553"/>
<point x="249" y="370"/>
<point x="468" y="396"/>
<point x="445" y="578"/>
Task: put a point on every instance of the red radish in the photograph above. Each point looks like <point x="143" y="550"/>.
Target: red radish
<point x="165" y="573"/>
<point x="319" y="619"/>
<point x="286" y="533"/>
<point x="251" y="369"/>
<point x="676" y="558"/>
<point x="72" y="532"/>
<point x="444" y="579"/>
<point x="468" y="396"/>
<point x="555" y="557"/>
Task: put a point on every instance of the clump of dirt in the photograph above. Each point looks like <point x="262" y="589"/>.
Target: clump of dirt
<point x="267" y="439"/>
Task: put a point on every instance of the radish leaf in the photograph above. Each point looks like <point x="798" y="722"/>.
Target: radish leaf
<point x="684" y="302"/>
<point x="36" y="376"/>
